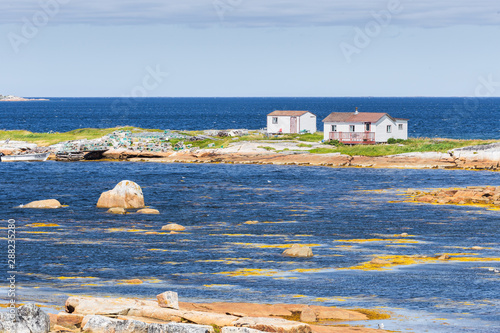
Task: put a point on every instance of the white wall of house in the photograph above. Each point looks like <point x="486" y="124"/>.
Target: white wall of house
<point x="283" y="124"/>
<point x="381" y="131"/>
<point x="403" y="129"/>
<point x="308" y="122"/>
<point x="305" y="122"/>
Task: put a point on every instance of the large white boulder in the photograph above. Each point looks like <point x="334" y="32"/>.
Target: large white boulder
<point x="126" y="194"/>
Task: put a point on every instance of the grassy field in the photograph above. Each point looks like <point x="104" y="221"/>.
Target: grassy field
<point x="47" y="139"/>
<point x="407" y="146"/>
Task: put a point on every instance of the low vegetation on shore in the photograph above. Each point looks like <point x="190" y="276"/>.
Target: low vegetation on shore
<point x="395" y="147"/>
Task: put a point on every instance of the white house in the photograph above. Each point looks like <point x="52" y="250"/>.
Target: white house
<point x="291" y="122"/>
<point x="364" y="127"/>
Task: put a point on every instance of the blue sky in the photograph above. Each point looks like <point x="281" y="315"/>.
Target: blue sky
<point x="250" y="48"/>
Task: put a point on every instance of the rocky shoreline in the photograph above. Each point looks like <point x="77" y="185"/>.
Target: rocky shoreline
<point x="487" y="196"/>
<point x="485" y="157"/>
<point x="168" y="315"/>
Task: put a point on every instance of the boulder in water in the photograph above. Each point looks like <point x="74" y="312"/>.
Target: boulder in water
<point x="43" y="204"/>
<point x="126" y="194"/>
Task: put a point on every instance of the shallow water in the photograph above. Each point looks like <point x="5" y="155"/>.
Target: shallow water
<point x="221" y="258"/>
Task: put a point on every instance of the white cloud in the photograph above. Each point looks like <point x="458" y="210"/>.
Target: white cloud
<point x="256" y="13"/>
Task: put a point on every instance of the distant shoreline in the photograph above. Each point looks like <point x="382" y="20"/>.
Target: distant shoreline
<point x="11" y="98"/>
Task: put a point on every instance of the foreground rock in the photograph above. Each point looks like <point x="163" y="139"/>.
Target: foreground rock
<point x="481" y="195"/>
<point x="168" y="299"/>
<point x="100" y="324"/>
<point x="298" y="251"/>
<point x="265" y="317"/>
<point x="43" y="204"/>
<point x="30" y="319"/>
<point x="126" y="194"/>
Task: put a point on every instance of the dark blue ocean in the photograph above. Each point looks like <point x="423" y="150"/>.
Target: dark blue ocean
<point x="82" y="250"/>
<point x="459" y="118"/>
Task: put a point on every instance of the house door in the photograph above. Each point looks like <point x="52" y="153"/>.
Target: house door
<point x="293" y="124"/>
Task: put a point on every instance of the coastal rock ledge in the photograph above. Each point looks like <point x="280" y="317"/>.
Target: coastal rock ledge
<point x="122" y="315"/>
<point x="126" y="194"/>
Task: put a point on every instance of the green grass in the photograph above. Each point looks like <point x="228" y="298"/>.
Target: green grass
<point x="303" y="145"/>
<point x="47" y="139"/>
<point x="408" y="146"/>
<point x="266" y="148"/>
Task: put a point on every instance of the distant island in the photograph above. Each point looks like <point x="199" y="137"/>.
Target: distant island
<point x="11" y="98"/>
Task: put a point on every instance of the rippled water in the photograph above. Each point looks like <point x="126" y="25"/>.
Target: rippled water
<point x="220" y="257"/>
<point x="459" y="118"/>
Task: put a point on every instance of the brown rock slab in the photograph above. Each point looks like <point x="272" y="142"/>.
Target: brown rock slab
<point x="69" y="320"/>
<point x="277" y="325"/>
<point x="43" y="204"/>
<point x="104" y="306"/>
<point x="307" y="315"/>
<point x="126" y="194"/>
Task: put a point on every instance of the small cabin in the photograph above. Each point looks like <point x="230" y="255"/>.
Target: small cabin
<point x="364" y="127"/>
<point x="291" y="122"/>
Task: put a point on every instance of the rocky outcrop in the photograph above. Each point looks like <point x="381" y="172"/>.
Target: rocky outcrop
<point x="43" y="204"/>
<point x="247" y="317"/>
<point x="482" y="157"/>
<point x="126" y="194"/>
<point x="298" y="251"/>
<point x="479" y="195"/>
<point x="173" y="227"/>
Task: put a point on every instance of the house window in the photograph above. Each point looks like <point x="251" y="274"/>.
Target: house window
<point x="334" y="128"/>
<point x="400" y="127"/>
<point x="352" y="128"/>
<point x="389" y="128"/>
<point x="275" y="120"/>
<point x="367" y="128"/>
